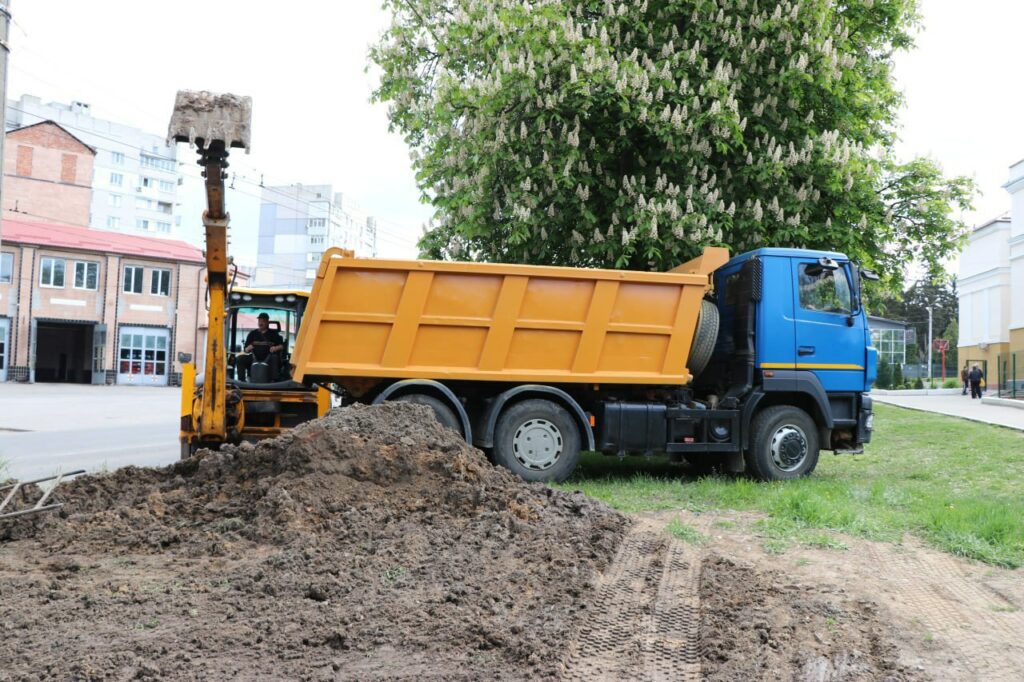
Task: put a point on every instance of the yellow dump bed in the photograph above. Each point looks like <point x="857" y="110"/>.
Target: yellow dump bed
<point x="371" y="318"/>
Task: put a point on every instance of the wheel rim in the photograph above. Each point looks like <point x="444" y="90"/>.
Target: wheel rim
<point x="537" y="444"/>
<point x="789" y="447"/>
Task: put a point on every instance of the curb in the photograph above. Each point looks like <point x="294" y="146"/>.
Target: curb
<point x="916" y="391"/>
<point x="1005" y="402"/>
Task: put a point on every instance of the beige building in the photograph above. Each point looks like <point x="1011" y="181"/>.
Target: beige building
<point x="47" y="175"/>
<point x="85" y="306"/>
<point x="991" y="287"/>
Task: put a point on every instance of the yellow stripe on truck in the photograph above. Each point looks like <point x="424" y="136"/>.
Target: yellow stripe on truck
<point x="806" y="365"/>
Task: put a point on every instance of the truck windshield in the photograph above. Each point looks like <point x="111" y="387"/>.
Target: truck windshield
<point x="827" y="291"/>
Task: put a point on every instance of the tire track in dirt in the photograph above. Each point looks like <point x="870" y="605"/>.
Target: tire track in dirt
<point x="644" y="624"/>
<point x="977" y="624"/>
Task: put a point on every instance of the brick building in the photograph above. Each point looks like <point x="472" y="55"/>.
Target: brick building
<point x="47" y="175"/>
<point x="88" y="306"/>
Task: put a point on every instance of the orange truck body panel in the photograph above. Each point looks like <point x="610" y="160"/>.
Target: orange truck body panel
<point x="378" y="319"/>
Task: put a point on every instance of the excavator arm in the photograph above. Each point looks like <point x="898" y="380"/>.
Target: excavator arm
<point x="214" y="124"/>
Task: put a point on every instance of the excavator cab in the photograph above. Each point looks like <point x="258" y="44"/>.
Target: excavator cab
<point x="284" y="308"/>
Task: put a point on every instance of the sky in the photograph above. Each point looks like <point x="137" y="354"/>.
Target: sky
<point x="304" y="65"/>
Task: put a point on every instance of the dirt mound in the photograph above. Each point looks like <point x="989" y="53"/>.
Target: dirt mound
<point x="762" y="625"/>
<point x="369" y="544"/>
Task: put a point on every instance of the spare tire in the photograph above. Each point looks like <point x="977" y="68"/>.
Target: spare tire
<point x="704" y="339"/>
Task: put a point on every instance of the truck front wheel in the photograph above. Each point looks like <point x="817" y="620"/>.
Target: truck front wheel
<point x="783" y="444"/>
<point x="537" y="440"/>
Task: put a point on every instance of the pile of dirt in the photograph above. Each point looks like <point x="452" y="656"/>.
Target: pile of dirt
<point x="369" y="544"/>
<point x="758" y="624"/>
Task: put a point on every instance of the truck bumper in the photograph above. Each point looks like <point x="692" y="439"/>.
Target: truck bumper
<point x="865" y="420"/>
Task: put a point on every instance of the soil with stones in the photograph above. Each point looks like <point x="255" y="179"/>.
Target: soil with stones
<point x="370" y="544"/>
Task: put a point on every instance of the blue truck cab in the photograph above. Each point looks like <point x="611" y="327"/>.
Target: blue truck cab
<point x="783" y="364"/>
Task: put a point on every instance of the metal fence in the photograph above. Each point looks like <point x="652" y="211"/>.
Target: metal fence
<point x="1010" y="372"/>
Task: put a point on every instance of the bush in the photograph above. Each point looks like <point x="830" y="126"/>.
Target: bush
<point x="897" y="374"/>
<point x="884" y="379"/>
<point x="951" y="383"/>
<point x="918" y="383"/>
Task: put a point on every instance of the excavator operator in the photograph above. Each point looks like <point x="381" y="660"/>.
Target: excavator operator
<point x="263" y="345"/>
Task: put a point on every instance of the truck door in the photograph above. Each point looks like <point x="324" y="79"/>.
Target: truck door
<point x="829" y="337"/>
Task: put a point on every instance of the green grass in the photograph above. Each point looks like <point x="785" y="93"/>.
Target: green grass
<point x="957" y="484"/>
<point x="685" y="532"/>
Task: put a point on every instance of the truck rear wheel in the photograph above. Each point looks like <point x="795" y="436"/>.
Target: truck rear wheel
<point x="445" y="415"/>
<point x="783" y="444"/>
<point x="537" y="440"/>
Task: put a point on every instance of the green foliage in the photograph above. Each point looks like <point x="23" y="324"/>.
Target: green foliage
<point x="953" y="482"/>
<point x="884" y="379"/>
<point x="685" y="532"/>
<point x="951" y="383"/>
<point x="897" y="375"/>
<point x="918" y="383"/>
<point x="633" y="134"/>
<point x="952" y="334"/>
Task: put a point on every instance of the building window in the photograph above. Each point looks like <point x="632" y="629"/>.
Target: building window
<point x="310" y="274"/>
<point x="891" y="345"/>
<point x="68" y="168"/>
<point x="113" y="222"/>
<point x="316" y="240"/>
<point x="116" y="179"/>
<point x="825" y="292"/>
<point x="132" y="279"/>
<point x="86" y="275"/>
<point x="24" y="162"/>
<point x="6" y="267"/>
<point x="163" y="227"/>
<point x="146" y="182"/>
<point x="117" y="158"/>
<point x="143" y="203"/>
<point x="316" y="222"/>
<point x="166" y="186"/>
<point x="51" y="272"/>
<point x="114" y="200"/>
<point x="160" y="284"/>
<point x="156" y="162"/>
<point x="163" y="206"/>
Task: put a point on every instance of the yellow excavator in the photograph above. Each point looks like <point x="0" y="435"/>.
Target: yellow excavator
<point x="221" y="406"/>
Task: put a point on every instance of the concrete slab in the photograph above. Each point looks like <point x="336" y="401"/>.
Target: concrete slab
<point x="960" y="406"/>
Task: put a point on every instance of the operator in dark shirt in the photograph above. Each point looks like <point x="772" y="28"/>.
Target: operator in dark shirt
<point x="263" y="345"/>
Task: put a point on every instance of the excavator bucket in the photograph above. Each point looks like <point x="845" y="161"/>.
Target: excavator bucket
<point x="202" y="118"/>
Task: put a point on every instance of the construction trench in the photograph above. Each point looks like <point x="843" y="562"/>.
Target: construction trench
<point x="374" y="544"/>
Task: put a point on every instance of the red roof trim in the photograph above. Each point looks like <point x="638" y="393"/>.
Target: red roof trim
<point x="84" y="239"/>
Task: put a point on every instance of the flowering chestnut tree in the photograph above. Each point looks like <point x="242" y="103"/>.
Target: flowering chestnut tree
<point x="633" y="133"/>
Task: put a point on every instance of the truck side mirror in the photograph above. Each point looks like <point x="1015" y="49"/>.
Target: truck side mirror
<point x="869" y="275"/>
<point x="824" y="263"/>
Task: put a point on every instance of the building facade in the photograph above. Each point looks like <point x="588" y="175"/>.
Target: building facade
<point x="47" y="175"/>
<point x="84" y="306"/>
<point x="991" y="284"/>
<point x="297" y="224"/>
<point x="135" y="174"/>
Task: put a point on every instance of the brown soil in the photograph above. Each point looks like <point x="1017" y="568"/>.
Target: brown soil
<point x="375" y="545"/>
<point x="371" y="544"/>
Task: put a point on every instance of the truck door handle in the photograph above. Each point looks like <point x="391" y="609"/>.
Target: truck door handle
<point x="805" y="350"/>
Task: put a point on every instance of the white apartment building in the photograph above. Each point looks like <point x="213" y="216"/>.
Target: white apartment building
<point x="135" y="174"/>
<point x="297" y="224"/>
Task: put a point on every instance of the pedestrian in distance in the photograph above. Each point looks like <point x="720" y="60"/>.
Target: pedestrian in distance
<point x="975" y="378"/>
<point x="965" y="379"/>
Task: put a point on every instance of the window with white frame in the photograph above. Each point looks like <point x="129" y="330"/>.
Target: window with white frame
<point x="51" y="272"/>
<point x="316" y="239"/>
<point x="142" y="223"/>
<point x="316" y="222"/>
<point x="132" y="279"/>
<point x="113" y="222"/>
<point x="114" y="200"/>
<point x="6" y="267"/>
<point x="166" y="186"/>
<point x="117" y="158"/>
<point x="160" y="283"/>
<point x="162" y="226"/>
<point x="146" y="182"/>
<point x="160" y="162"/>
<point x="116" y="179"/>
<point x="86" y="275"/>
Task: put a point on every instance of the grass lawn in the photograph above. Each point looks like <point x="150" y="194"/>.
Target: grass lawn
<point x="957" y="484"/>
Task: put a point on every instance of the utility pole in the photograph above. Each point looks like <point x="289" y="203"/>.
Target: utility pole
<point x="929" y="346"/>
<point x="5" y="50"/>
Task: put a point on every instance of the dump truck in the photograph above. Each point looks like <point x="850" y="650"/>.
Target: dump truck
<point x="754" y="363"/>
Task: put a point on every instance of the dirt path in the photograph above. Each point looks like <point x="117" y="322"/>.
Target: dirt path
<point x="728" y="609"/>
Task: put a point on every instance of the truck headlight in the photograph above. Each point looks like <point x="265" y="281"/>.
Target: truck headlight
<point x="869" y="423"/>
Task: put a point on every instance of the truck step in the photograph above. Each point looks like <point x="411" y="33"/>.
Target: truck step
<point x="859" y="450"/>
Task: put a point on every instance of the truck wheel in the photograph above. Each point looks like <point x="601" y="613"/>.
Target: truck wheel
<point x="783" y="444"/>
<point x="704" y="339"/>
<point x="537" y="440"/>
<point x="445" y="415"/>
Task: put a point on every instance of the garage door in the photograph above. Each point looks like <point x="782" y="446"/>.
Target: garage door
<point x="142" y="356"/>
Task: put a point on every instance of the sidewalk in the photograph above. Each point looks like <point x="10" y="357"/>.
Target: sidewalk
<point x="959" y="406"/>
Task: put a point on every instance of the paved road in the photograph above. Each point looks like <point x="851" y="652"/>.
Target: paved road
<point x="959" y="406"/>
<point x="45" y="428"/>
